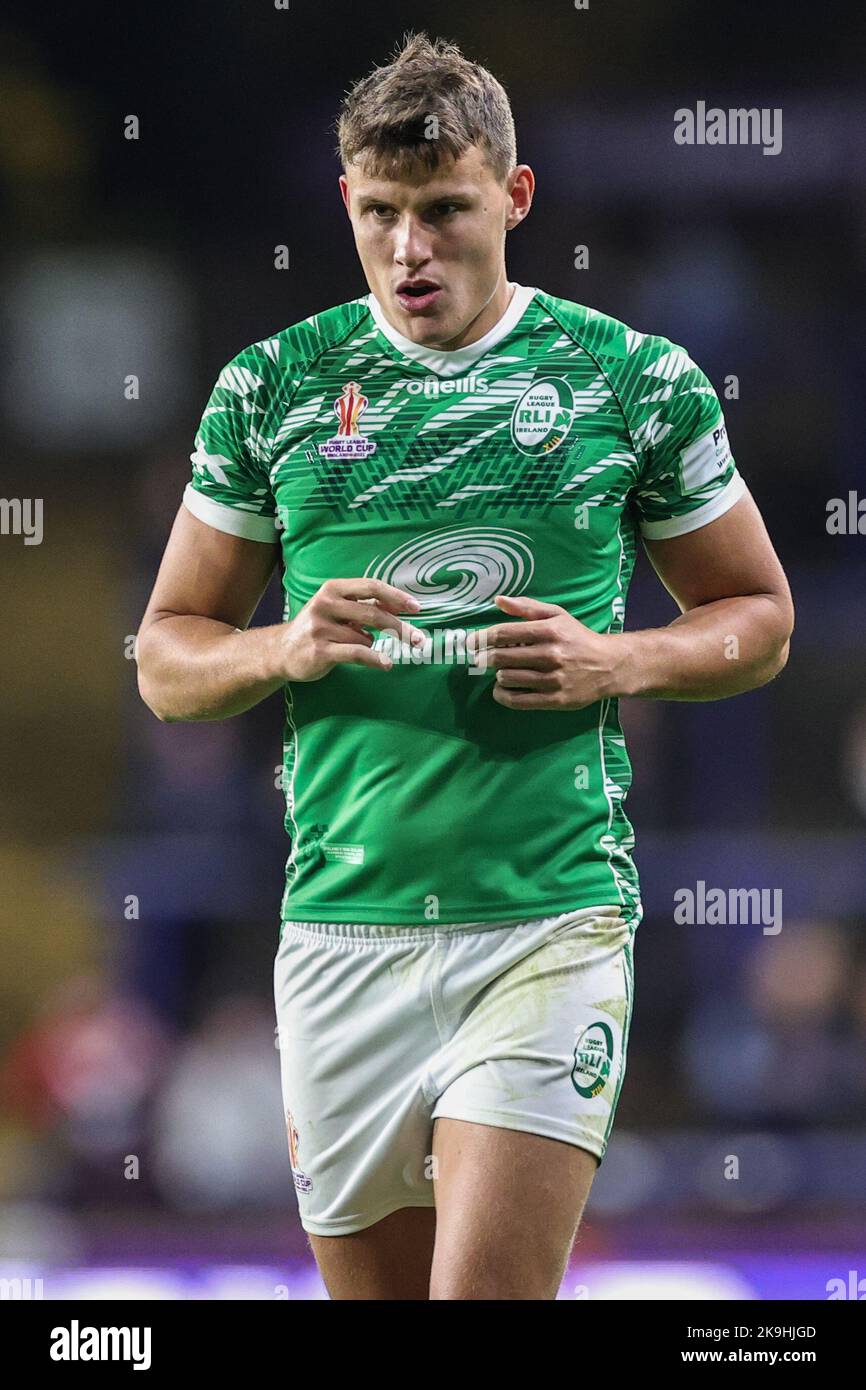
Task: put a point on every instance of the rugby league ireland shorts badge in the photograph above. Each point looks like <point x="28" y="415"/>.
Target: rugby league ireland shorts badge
<point x="349" y="442"/>
<point x="593" y="1056"/>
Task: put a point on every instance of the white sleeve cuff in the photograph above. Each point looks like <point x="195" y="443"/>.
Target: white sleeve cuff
<point x="734" y="489"/>
<point x="250" y="525"/>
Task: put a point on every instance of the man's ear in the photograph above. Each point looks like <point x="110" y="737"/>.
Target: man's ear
<point x="344" y="191"/>
<point x="521" y="190"/>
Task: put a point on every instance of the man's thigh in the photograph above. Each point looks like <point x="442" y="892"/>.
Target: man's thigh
<point x="508" y="1205"/>
<point x="388" y="1260"/>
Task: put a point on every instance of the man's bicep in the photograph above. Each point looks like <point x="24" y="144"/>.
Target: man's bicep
<point x="210" y="573"/>
<point x="728" y="557"/>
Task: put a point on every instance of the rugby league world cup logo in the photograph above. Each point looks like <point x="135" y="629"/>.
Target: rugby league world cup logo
<point x="348" y="442"/>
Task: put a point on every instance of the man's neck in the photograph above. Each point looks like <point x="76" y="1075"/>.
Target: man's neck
<point x="484" y="320"/>
<point x="461" y="351"/>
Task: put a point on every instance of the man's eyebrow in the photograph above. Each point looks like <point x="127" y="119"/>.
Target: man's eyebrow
<point x="448" y="196"/>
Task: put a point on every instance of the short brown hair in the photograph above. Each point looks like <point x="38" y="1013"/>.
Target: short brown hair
<point x="429" y="102"/>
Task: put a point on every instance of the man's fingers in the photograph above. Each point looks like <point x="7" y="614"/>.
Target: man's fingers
<point x="365" y="590"/>
<point x="364" y="614"/>
<point x="526" y="659"/>
<point x="339" y="643"/>
<point x="508" y="635"/>
<point x="526" y="680"/>
<point x="363" y="656"/>
<point x="541" y="607"/>
<point x="528" y="699"/>
<point x="345" y="632"/>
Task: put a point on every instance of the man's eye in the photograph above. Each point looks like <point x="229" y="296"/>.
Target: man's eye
<point x="443" y="209"/>
<point x="380" y="211"/>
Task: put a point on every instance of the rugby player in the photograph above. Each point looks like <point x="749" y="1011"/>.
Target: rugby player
<point x="452" y="472"/>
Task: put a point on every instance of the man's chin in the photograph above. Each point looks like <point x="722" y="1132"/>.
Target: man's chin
<point x="428" y="330"/>
<point x="427" y="333"/>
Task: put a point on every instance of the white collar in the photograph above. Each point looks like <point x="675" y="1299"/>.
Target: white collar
<point x="452" y="363"/>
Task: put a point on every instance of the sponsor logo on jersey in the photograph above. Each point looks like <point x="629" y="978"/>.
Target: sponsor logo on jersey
<point x="302" y="1182"/>
<point x="458" y="571"/>
<point x="705" y="459"/>
<point x="543" y="416"/>
<point x="434" y="386"/>
<point x="593" y="1055"/>
<point x="349" y="442"/>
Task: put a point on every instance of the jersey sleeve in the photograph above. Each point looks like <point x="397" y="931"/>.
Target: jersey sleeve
<point x="687" y="475"/>
<point x="230" y="486"/>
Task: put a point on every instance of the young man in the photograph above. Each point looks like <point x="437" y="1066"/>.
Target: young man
<point x="454" y="974"/>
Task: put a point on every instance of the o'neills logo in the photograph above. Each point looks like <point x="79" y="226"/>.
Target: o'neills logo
<point x="348" y="442"/>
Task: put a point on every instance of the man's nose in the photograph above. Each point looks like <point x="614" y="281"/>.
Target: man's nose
<point x="412" y="244"/>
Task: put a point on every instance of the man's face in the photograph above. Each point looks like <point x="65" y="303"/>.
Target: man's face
<point x="432" y="243"/>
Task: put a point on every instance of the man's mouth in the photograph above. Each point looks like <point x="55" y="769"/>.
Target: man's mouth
<point x="415" y="295"/>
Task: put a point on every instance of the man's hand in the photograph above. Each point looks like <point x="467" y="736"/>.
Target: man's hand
<point x="550" y="660"/>
<point x="197" y="659"/>
<point x="732" y="635"/>
<point x="333" y="625"/>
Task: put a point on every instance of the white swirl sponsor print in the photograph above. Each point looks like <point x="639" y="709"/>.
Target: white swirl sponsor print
<point x="457" y="572"/>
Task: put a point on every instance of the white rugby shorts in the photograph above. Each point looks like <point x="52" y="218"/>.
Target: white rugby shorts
<point x="383" y="1029"/>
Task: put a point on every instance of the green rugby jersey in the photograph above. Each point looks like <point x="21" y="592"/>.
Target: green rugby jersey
<point x="525" y="463"/>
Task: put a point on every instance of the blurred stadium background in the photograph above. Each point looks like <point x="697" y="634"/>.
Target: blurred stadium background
<point x="142" y="1149"/>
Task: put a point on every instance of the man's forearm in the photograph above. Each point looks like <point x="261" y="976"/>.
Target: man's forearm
<point x="194" y="668"/>
<point x="717" y="649"/>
